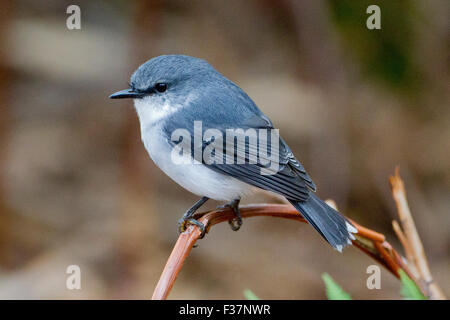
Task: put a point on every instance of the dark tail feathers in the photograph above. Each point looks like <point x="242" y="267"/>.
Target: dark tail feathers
<point x="331" y="224"/>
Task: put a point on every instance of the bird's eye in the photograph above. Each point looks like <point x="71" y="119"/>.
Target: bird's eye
<point x="161" y="87"/>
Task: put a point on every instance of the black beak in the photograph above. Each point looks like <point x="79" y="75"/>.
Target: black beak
<point x="127" y="93"/>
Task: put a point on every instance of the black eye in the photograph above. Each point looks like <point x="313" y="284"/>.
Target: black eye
<point x="161" y="87"/>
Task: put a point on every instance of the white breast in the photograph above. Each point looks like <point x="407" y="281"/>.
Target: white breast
<point x="196" y="178"/>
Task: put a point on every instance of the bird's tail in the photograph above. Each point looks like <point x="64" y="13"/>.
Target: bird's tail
<point x="334" y="227"/>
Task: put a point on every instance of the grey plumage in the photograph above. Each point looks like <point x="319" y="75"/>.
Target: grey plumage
<point x="197" y="92"/>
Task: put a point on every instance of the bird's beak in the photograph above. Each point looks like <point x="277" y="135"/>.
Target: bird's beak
<point x="127" y="93"/>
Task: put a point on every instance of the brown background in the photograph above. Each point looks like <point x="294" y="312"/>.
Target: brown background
<point x="77" y="186"/>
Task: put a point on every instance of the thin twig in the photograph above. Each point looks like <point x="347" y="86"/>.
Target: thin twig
<point x="413" y="245"/>
<point x="406" y="246"/>
<point x="369" y="241"/>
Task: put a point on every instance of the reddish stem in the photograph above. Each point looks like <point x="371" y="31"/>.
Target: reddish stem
<point x="370" y="242"/>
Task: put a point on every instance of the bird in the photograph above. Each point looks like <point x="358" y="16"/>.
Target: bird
<point x="187" y="112"/>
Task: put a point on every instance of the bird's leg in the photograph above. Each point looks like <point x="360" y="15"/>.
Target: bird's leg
<point x="187" y="219"/>
<point x="236" y="222"/>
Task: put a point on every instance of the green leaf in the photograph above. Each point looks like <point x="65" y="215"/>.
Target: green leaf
<point x="249" y="295"/>
<point x="410" y="290"/>
<point x="333" y="290"/>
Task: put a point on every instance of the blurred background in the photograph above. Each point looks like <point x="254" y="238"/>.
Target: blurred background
<point x="78" y="188"/>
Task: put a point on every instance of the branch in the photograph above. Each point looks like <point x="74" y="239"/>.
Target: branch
<point x="369" y="241"/>
<point x="187" y="239"/>
<point x="409" y="237"/>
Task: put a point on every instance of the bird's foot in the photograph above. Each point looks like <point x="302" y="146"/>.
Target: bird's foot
<point x="236" y="222"/>
<point x="188" y="219"/>
<point x="184" y="223"/>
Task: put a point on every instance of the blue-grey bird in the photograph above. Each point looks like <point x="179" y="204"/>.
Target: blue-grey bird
<point x="174" y="91"/>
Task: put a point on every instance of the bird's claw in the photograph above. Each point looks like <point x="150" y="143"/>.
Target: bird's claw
<point x="184" y="223"/>
<point x="236" y="222"/>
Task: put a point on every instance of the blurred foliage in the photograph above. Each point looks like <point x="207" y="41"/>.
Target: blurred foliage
<point x="249" y="295"/>
<point x="333" y="290"/>
<point x="410" y="291"/>
<point x="384" y="55"/>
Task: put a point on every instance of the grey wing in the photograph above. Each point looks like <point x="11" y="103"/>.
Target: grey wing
<point x="289" y="179"/>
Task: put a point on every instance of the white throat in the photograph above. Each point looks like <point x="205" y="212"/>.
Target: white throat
<point x="152" y="109"/>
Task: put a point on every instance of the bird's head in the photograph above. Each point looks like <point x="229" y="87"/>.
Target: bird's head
<point x="165" y="84"/>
